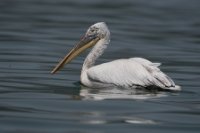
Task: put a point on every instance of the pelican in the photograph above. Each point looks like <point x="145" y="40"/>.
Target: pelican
<point x="126" y="73"/>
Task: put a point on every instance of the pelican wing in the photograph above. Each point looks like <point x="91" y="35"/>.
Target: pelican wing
<point x="131" y="72"/>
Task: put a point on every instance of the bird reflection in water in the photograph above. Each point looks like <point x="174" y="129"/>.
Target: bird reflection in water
<point x="119" y="93"/>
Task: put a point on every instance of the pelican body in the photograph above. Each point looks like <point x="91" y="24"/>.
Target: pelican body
<point x="126" y="73"/>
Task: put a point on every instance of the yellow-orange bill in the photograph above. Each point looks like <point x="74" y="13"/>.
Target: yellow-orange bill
<point x="84" y="44"/>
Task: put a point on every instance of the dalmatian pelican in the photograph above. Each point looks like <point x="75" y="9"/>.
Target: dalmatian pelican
<point x="127" y="73"/>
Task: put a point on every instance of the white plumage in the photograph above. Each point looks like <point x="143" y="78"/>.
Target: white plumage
<point x="129" y="73"/>
<point x="126" y="73"/>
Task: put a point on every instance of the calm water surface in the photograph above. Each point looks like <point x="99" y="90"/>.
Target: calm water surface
<point x="35" y="34"/>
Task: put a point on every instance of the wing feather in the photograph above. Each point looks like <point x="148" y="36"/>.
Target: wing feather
<point x="155" y="72"/>
<point x="130" y="72"/>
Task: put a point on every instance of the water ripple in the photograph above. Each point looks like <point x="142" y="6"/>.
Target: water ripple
<point x="36" y="34"/>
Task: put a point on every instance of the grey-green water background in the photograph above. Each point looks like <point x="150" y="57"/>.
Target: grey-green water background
<point x="35" y="34"/>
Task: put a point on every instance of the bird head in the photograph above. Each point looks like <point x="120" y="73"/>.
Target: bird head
<point x="94" y="33"/>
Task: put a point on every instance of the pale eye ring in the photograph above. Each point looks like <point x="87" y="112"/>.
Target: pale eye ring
<point x="93" y="30"/>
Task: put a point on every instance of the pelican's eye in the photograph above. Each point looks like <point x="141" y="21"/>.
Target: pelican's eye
<point x="93" y="30"/>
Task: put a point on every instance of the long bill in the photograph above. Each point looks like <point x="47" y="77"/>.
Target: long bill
<point x="85" y="43"/>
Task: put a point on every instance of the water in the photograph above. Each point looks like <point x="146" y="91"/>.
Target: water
<point x="35" y="34"/>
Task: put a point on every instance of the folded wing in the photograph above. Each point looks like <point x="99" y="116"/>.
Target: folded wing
<point x="131" y="72"/>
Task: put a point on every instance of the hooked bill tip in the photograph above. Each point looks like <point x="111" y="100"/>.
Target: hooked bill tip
<point x="53" y="72"/>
